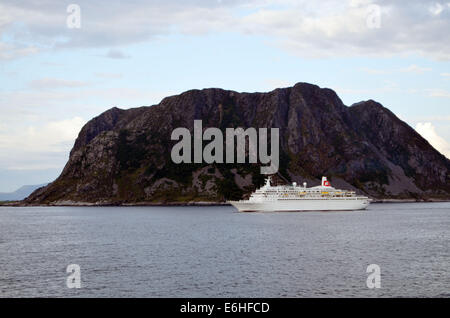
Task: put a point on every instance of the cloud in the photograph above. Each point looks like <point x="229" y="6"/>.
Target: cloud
<point x="415" y="69"/>
<point x="117" y="23"/>
<point x="327" y="28"/>
<point x="410" y="69"/>
<point x="436" y="8"/>
<point x="47" y="145"/>
<point x="10" y="51"/>
<point x="116" y="54"/>
<point x="428" y="131"/>
<point x="438" y="92"/>
<point x="343" y="30"/>
<point x="32" y="134"/>
<point x="53" y="83"/>
<point x="51" y="137"/>
<point x="27" y="103"/>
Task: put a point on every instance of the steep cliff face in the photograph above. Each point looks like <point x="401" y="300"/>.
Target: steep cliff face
<point x="123" y="156"/>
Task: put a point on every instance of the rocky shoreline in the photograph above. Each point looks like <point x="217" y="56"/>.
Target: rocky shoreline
<point x="192" y="203"/>
<point x="106" y="204"/>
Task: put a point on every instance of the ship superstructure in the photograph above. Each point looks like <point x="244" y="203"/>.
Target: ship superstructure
<point x="301" y="198"/>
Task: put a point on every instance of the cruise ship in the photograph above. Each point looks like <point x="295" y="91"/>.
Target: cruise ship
<point x="294" y="198"/>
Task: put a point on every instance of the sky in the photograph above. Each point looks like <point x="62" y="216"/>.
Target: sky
<point x="65" y="62"/>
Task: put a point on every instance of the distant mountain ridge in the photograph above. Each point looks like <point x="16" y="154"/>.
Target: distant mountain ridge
<point x="20" y="193"/>
<point x="123" y="156"/>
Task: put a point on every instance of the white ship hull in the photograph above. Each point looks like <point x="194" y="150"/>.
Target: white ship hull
<point x="335" y="204"/>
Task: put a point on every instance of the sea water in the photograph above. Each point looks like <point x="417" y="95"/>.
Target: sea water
<point x="218" y="252"/>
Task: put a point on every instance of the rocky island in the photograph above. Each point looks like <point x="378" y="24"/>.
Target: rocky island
<point x="122" y="157"/>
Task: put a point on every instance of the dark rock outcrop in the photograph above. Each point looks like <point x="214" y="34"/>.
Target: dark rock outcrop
<point x="123" y="156"/>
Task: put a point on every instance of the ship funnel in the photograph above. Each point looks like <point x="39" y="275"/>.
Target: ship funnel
<point x="325" y="182"/>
